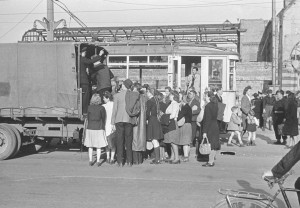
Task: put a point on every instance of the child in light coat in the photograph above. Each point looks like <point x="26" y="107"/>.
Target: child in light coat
<point x="234" y="126"/>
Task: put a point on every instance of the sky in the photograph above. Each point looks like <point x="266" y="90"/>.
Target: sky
<point x="17" y="16"/>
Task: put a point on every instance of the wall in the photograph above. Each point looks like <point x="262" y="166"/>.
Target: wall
<point x="255" y="74"/>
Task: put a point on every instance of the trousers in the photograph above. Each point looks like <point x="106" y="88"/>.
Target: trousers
<point x="86" y="96"/>
<point x="124" y="135"/>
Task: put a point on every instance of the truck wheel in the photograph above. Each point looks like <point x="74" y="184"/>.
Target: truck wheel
<point x="18" y="137"/>
<point x="8" y="142"/>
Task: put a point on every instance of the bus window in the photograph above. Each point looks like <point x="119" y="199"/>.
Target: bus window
<point x="215" y="68"/>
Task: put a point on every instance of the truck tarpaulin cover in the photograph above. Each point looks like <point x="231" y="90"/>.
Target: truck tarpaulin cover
<point x="38" y="75"/>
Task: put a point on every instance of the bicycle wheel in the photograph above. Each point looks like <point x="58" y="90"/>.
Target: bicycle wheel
<point x="242" y="203"/>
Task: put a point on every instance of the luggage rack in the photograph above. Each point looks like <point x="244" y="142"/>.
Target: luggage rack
<point x="244" y="194"/>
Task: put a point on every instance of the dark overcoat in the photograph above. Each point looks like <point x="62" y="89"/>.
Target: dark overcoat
<point x="290" y="127"/>
<point x="210" y="124"/>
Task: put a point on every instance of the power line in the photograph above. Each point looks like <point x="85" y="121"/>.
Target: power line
<point x="158" y="8"/>
<point x="21" y="20"/>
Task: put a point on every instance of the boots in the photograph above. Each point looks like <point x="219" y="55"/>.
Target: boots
<point x="157" y="156"/>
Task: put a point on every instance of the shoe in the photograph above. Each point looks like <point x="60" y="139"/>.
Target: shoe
<point x="119" y="165"/>
<point x="129" y="164"/>
<point x="277" y="142"/>
<point x="185" y="159"/>
<point x="253" y="143"/>
<point x="241" y="145"/>
<point x="209" y="165"/>
<point x="175" y="162"/>
<point x="107" y="161"/>
<point x="98" y="164"/>
<point x="283" y="143"/>
<point x="229" y="145"/>
<point x="91" y="163"/>
<point x="248" y="144"/>
<point x="155" y="162"/>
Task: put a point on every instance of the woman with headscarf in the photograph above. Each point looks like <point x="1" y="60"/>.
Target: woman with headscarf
<point x="154" y="130"/>
<point x="210" y="127"/>
<point x="95" y="132"/>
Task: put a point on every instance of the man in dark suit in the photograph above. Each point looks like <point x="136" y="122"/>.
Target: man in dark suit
<point x="85" y="64"/>
<point x="102" y="74"/>
<point x="195" y="106"/>
<point x="123" y="124"/>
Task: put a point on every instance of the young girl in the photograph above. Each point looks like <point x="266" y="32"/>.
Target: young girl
<point x="234" y="126"/>
<point x="252" y="123"/>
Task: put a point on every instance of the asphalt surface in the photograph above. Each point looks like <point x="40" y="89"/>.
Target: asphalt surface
<point x="57" y="177"/>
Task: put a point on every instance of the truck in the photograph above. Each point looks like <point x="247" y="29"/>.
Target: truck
<point x="40" y="95"/>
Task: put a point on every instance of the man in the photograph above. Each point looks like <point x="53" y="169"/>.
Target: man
<point x="102" y="74"/>
<point x="278" y="117"/>
<point x="195" y="106"/>
<point x="84" y="80"/>
<point x="268" y="103"/>
<point x="122" y="123"/>
<point x="194" y="80"/>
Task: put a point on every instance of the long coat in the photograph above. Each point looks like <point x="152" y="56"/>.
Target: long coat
<point x="139" y="130"/>
<point x="210" y="125"/>
<point x="234" y="123"/>
<point x="154" y="129"/>
<point x="290" y="127"/>
<point x="245" y="107"/>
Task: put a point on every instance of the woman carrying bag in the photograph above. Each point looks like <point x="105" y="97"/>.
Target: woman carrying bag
<point x="210" y="127"/>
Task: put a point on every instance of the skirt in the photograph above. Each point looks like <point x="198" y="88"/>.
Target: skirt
<point x="95" y="138"/>
<point x="185" y="135"/>
<point x="251" y="127"/>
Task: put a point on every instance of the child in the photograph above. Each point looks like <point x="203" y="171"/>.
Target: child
<point x="252" y="123"/>
<point x="234" y="126"/>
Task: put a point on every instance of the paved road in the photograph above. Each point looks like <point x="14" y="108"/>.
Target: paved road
<point x="64" y="179"/>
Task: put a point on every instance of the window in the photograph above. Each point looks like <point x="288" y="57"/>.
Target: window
<point x="117" y="59"/>
<point x="138" y="59"/>
<point x="158" y="59"/>
<point x="231" y="73"/>
<point x="215" y="68"/>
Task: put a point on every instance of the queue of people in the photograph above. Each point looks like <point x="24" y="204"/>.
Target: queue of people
<point x="139" y="123"/>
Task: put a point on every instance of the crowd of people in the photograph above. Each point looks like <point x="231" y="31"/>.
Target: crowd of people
<point x="139" y="122"/>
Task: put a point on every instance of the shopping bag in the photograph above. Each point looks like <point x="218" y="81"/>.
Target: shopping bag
<point x="205" y="148"/>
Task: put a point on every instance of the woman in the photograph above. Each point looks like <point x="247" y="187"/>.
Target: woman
<point x="210" y="127"/>
<point x="185" y="128"/>
<point x="246" y="106"/>
<point x="110" y="134"/>
<point x="154" y="130"/>
<point x="172" y="129"/>
<point x="95" y="133"/>
<point x="139" y="130"/>
<point x="290" y="127"/>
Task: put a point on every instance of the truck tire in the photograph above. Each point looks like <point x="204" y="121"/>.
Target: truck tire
<point x="8" y="142"/>
<point x="19" y="141"/>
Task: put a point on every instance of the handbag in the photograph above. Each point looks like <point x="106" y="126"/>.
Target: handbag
<point x="205" y="148"/>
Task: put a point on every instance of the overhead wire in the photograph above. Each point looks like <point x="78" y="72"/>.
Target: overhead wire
<point x="27" y="14"/>
<point x="160" y="8"/>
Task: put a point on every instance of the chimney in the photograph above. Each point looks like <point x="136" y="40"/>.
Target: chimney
<point x="286" y="3"/>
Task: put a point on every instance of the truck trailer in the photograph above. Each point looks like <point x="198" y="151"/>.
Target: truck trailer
<point x="40" y="97"/>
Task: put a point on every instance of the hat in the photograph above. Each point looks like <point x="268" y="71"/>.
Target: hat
<point x="83" y="49"/>
<point x="128" y="83"/>
<point x="255" y="95"/>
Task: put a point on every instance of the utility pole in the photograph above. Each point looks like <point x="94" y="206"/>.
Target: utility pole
<point x="274" y="38"/>
<point x="48" y="23"/>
